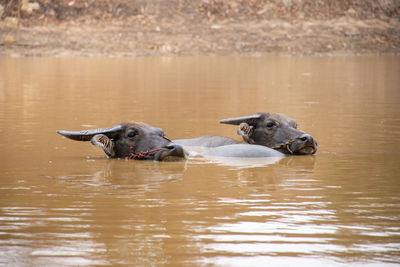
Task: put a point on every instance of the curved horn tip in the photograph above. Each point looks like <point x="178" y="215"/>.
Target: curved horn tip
<point x="77" y="136"/>
<point x="62" y="132"/>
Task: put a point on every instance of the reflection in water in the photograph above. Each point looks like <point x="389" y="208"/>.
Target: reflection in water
<point x="127" y="174"/>
<point x="64" y="203"/>
<point x="29" y="230"/>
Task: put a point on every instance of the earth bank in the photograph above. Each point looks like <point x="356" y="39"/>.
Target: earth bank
<point x="198" y="27"/>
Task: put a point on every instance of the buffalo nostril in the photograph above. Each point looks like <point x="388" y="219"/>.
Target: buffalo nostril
<point x="176" y="150"/>
<point x="170" y="146"/>
<point x="305" y="138"/>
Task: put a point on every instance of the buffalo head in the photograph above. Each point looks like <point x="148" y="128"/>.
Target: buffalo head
<point x="275" y="131"/>
<point x="136" y="140"/>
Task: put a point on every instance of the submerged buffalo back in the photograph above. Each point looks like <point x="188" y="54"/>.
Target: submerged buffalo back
<point x="207" y="141"/>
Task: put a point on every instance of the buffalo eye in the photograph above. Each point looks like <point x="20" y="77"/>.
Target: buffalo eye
<point x="270" y="125"/>
<point x="132" y="134"/>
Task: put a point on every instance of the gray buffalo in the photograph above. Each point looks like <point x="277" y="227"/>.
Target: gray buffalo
<point x="272" y="130"/>
<point x="135" y="140"/>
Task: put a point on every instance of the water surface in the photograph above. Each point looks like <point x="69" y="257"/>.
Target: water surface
<point x="65" y="203"/>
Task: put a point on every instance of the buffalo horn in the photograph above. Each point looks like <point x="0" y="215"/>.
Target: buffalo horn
<point x="88" y="134"/>
<point x="250" y="120"/>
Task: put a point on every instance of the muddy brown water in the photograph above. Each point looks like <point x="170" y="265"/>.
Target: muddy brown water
<point x="63" y="203"/>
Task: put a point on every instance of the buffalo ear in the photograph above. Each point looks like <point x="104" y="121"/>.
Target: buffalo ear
<point x="246" y="131"/>
<point x="105" y="143"/>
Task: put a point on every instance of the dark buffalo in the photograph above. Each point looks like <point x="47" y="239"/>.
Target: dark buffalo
<point x="136" y="140"/>
<point x="273" y="130"/>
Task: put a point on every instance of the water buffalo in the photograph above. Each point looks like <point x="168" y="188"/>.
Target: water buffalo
<point x="273" y="130"/>
<point x="135" y="140"/>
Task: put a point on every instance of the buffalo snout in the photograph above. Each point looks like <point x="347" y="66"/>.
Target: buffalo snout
<point x="304" y="144"/>
<point x="172" y="151"/>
